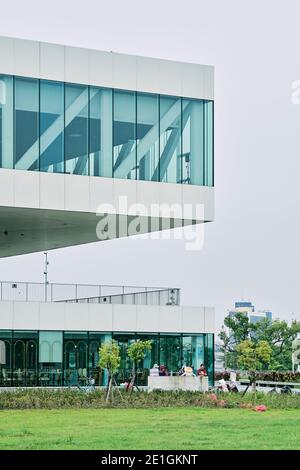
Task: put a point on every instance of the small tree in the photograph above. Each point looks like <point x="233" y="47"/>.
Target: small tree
<point x="252" y="356"/>
<point x="110" y="359"/>
<point x="137" y="352"/>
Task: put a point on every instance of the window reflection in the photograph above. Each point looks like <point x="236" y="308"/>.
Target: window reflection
<point x="124" y="134"/>
<point x="76" y="133"/>
<point x="85" y="130"/>
<point x="54" y="358"/>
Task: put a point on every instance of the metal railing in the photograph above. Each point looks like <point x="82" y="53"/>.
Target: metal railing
<point x="154" y="297"/>
<point x="40" y="292"/>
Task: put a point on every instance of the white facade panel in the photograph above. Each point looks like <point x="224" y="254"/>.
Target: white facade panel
<point x="77" y="193"/>
<point x="6" y="187"/>
<point x="169" y="75"/>
<point x="125" y="196"/>
<point x="26" y="58"/>
<point x="193" y="319"/>
<point x="170" y="319"/>
<point x="76" y="65"/>
<point x="52" y="61"/>
<point x="76" y="317"/>
<point x="7" y="56"/>
<point x="101" y="192"/>
<point x="26" y="315"/>
<point x="209" y="74"/>
<point x="26" y="188"/>
<point x="63" y="316"/>
<point x="124" y="71"/>
<point x="209" y="320"/>
<point x="6" y="315"/>
<point x="124" y="317"/>
<point x="169" y="194"/>
<point x="52" y="318"/>
<point x="100" y="68"/>
<point x="147" y="318"/>
<point x="52" y="191"/>
<point x="147" y="75"/>
<point x="100" y="317"/>
<point x="103" y="68"/>
<point x="147" y="193"/>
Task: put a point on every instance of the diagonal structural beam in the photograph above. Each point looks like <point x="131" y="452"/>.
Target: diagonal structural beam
<point x="149" y="139"/>
<point x="170" y="147"/>
<point x="53" y="131"/>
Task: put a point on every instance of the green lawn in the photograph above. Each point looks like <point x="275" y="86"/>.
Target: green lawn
<point x="162" y="428"/>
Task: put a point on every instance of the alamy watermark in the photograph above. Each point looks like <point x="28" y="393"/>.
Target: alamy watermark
<point x="152" y="222"/>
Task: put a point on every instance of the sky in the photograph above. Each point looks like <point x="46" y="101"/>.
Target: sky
<point x="251" y="250"/>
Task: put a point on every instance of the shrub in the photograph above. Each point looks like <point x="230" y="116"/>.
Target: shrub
<point x="71" y="398"/>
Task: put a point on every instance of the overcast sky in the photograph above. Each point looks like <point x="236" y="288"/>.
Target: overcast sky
<point x="251" y="251"/>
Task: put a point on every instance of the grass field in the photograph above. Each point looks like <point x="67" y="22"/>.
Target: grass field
<point x="162" y="428"/>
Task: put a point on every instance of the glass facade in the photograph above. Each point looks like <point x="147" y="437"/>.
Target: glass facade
<point x="85" y="130"/>
<point x="55" y="358"/>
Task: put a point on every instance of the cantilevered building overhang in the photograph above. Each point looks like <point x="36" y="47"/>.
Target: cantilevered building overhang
<point x="89" y="136"/>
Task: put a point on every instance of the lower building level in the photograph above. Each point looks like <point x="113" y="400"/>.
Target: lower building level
<point x="67" y="358"/>
<point x="54" y="340"/>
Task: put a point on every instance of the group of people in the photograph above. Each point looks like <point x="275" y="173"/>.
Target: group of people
<point x="161" y="371"/>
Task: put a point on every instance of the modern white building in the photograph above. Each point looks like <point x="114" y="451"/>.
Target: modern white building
<point x="97" y="145"/>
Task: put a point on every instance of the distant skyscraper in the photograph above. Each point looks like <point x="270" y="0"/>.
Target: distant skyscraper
<point x="249" y="310"/>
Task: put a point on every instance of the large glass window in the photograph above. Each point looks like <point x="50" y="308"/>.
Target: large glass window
<point x="26" y="131"/>
<point x="51" y="126"/>
<point x="75" y="357"/>
<point x="6" y="376"/>
<point x="76" y="132"/>
<point x="6" y="121"/>
<point x="151" y="357"/>
<point x="124" y="134"/>
<point x="170" y="352"/>
<point x="50" y="358"/>
<point x="85" y="130"/>
<point x="170" y="139"/>
<point x="25" y="358"/>
<point x="192" y="142"/>
<point x="209" y="356"/>
<point x="193" y="351"/>
<point x="124" y="340"/>
<point x="100" y="140"/>
<point x="147" y="137"/>
<point x="209" y="143"/>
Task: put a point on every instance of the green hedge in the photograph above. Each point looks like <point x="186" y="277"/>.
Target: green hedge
<point x="68" y="398"/>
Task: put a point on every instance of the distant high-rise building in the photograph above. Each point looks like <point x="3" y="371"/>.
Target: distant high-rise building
<point x="249" y="309"/>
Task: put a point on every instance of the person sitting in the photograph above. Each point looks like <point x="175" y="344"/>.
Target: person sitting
<point x="163" y="371"/>
<point x="201" y="371"/>
<point x="223" y="386"/>
<point x="188" y="372"/>
<point x="154" y="372"/>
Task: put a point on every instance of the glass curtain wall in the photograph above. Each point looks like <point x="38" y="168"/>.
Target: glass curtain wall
<point x="100" y="132"/>
<point x="124" y="134"/>
<point x="52" y="126"/>
<point x="55" y="358"/>
<point x="6" y="121"/>
<point x="26" y="124"/>
<point x="170" y="139"/>
<point x="76" y="129"/>
<point x="84" y="130"/>
<point x="147" y="137"/>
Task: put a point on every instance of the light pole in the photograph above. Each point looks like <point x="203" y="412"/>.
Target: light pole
<point x="46" y="275"/>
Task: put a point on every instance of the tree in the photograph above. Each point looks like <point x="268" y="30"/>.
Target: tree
<point x="252" y="356"/>
<point x="137" y="352"/>
<point x="279" y="335"/>
<point x="110" y="359"/>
